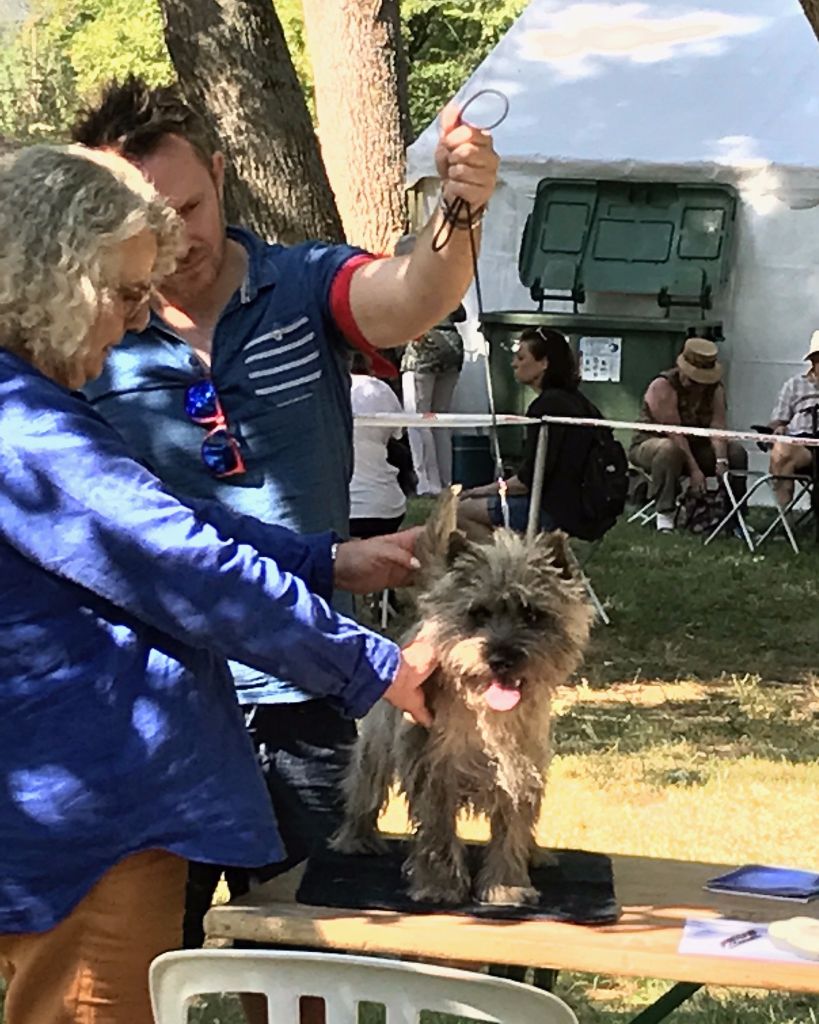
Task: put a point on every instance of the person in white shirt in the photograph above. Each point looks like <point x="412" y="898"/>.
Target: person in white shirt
<point x="794" y="415"/>
<point x="377" y="502"/>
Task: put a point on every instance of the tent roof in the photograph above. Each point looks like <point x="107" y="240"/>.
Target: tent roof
<point x="726" y="82"/>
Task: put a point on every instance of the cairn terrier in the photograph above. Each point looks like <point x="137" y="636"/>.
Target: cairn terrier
<point x="511" y="619"/>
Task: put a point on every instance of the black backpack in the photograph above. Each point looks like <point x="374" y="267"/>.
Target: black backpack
<point x="603" y="478"/>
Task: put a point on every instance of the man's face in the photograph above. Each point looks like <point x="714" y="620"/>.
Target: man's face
<point x="814" y="365"/>
<point x="195" y="192"/>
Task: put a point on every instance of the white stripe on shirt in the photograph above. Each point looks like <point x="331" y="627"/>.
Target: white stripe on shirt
<point x="278" y="332"/>
<point x="284" y="366"/>
<point x="289" y="384"/>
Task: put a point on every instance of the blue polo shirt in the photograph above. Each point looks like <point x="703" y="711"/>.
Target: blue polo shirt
<point x="119" y="727"/>
<point x="279" y="366"/>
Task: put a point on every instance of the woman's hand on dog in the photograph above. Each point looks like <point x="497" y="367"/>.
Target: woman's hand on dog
<point x="419" y="659"/>
<point x="363" y="566"/>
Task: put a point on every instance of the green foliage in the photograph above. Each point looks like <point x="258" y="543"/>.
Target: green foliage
<point x="116" y="37"/>
<point x="292" y="22"/>
<point x="37" y="85"/>
<point x="64" y="50"/>
<point x="445" y="42"/>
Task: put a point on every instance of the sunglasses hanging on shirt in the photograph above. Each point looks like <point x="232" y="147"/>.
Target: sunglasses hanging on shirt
<point x="221" y="451"/>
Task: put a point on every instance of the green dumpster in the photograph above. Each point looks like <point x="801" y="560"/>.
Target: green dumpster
<point x="672" y="242"/>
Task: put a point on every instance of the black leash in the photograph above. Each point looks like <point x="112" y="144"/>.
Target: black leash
<point x="458" y="215"/>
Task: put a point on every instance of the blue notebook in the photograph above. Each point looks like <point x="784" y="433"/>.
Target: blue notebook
<point x="774" y="883"/>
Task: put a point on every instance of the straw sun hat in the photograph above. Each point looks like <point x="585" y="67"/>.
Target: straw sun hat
<point x="698" y="361"/>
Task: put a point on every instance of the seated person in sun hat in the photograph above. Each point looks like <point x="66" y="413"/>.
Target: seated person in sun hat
<point x="793" y="415"/>
<point x="691" y="394"/>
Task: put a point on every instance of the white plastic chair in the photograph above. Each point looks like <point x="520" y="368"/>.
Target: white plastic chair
<point x="404" y="989"/>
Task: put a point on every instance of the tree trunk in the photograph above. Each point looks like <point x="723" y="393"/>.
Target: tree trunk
<point x="811" y="9"/>
<point x="235" y="70"/>
<point x="360" y="88"/>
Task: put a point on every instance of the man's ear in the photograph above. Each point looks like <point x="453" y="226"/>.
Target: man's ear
<point x="217" y="170"/>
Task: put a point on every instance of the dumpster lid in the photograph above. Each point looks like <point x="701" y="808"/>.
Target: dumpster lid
<point x="636" y="238"/>
<point x="601" y="325"/>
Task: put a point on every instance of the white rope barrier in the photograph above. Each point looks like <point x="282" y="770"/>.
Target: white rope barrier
<point x="441" y="419"/>
<point x="450" y="420"/>
<point x="665" y="428"/>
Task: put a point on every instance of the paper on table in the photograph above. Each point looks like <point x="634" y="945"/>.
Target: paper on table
<point x="703" y="937"/>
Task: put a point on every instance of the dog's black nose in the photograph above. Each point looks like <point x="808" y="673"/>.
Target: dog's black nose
<point x="504" y="659"/>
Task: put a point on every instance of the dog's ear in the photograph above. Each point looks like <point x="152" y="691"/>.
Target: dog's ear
<point x="556" y="545"/>
<point x="432" y="547"/>
<point x="458" y="543"/>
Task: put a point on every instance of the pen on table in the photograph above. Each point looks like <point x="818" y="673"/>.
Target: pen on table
<point x="742" y="937"/>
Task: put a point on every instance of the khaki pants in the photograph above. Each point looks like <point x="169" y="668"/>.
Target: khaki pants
<point x="665" y="462"/>
<point x="92" y="968"/>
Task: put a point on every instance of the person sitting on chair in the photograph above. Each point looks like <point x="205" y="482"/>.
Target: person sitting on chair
<point x="544" y="361"/>
<point x="793" y="415"/>
<point x="690" y="394"/>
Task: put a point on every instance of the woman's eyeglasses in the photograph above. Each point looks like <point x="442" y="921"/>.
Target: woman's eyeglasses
<point x="133" y="298"/>
<point x="221" y="452"/>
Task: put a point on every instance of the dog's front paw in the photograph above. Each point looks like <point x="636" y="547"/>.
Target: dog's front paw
<point x="509" y="895"/>
<point x="452" y="892"/>
<point x="351" y="840"/>
<point x="435" y="876"/>
<point x="542" y="857"/>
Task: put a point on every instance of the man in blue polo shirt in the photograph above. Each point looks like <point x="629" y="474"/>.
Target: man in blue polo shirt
<point x="238" y="390"/>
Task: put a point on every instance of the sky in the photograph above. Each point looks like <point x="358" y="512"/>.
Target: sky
<point x="11" y="10"/>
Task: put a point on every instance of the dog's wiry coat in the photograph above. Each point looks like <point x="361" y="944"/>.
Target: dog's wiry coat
<point x="507" y="615"/>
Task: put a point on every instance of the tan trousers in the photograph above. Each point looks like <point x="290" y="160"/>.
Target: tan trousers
<point x="92" y="968"/>
<point x="664" y="461"/>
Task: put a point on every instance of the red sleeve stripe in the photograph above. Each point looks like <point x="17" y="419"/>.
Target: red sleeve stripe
<point x="342" y="314"/>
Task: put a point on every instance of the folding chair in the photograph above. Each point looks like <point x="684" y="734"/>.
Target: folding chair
<point x="347" y="985"/>
<point x="739" y="506"/>
<point x="802" y="486"/>
<point x="647" y="512"/>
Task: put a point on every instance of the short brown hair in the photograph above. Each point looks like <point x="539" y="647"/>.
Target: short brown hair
<point x="133" y="118"/>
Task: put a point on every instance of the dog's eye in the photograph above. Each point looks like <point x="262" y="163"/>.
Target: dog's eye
<point x="479" y="614"/>
<point x="533" y="616"/>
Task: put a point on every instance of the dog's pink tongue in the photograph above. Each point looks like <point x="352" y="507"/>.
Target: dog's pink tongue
<point x="501" y="698"/>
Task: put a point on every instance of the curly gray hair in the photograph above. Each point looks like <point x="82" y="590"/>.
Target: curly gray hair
<point x="63" y="211"/>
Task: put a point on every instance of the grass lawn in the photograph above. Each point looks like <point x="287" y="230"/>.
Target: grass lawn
<point x="692" y="733"/>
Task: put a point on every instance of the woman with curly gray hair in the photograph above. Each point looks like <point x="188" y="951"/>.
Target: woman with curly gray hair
<point x="122" y="750"/>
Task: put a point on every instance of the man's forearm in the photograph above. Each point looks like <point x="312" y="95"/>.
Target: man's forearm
<point x="397" y="299"/>
<point x="440" y="268"/>
<point x="393" y="301"/>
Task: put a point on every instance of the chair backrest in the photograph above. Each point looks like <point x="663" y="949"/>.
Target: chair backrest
<point x="343" y="982"/>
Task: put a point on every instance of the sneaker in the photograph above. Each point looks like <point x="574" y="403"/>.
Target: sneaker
<point x="665" y="522"/>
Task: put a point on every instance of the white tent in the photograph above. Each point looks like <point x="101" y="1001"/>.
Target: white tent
<point x="673" y="90"/>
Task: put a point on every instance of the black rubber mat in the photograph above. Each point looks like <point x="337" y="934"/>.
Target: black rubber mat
<point x="578" y="889"/>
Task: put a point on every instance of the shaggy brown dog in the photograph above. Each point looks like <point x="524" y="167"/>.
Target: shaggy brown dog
<point x="511" y="619"/>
